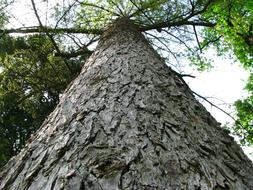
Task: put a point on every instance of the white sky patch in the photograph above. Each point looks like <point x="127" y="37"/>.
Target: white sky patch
<point x="21" y="14"/>
<point x="223" y="85"/>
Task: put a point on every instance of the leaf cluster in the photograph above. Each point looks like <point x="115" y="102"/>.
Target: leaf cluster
<point x="233" y="31"/>
<point x="244" y="125"/>
<point x="31" y="80"/>
<point x="233" y="34"/>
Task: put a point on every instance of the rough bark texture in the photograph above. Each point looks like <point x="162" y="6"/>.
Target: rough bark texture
<point x="128" y="122"/>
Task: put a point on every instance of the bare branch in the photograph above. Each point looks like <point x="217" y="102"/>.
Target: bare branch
<point x="5" y="4"/>
<point x="74" y="39"/>
<point x="187" y="75"/>
<point x="77" y="53"/>
<point x="217" y="107"/>
<point x="162" y="25"/>
<point x="39" y="29"/>
<point x="205" y="99"/>
<point x="211" y="41"/>
<point x="36" y="13"/>
<point x="49" y="35"/>
<point x="165" y="45"/>
<point x="177" y="38"/>
<point x="181" y="20"/>
<point x="64" y="14"/>
<point x="142" y="11"/>
<point x="197" y="39"/>
<point x="99" y="7"/>
<point x="115" y="4"/>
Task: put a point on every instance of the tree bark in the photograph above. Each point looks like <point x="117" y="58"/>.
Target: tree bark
<point x="128" y="122"/>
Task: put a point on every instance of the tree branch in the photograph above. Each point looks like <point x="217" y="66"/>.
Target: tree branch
<point x="49" y="35"/>
<point x="36" y="13"/>
<point x="98" y="7"/>
<point x="197" y="39"/>
<point x="39" y="29"/>
<point x="187" y="75"/>
<point x="210" y="42"/>
<point x="182" y="21"/>
<point x="177" y="38"/>
<point x="217" y="107"/>
<point x="5" y="4"/>
<point x="205" y="99"/>
<point x="176" y="23"/>
<point x="64" y="14"/>
<point x="68" y="55"/>
<point x="164" y="44"/>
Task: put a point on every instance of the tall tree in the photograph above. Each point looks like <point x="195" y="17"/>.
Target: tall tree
<point x="129" y="122"/>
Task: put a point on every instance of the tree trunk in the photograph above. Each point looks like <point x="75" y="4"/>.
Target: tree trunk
<point x="129" y="122"/>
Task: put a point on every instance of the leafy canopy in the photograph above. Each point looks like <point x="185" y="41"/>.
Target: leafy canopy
<point x="31" y="80"/>
<point x="233" y="34"/>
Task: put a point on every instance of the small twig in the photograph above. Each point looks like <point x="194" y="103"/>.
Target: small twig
<point x="210" y="41"/>
<point x="187" y="75"/>
<point x="139" y="10"/>
<point x="99" y="7"/>
<point x="192" y="5"/>
<point x="115" y="4"/>
<point x="39" y="29"/>
<point x="196" y="35"/>
<point x="5" y="5"/>
<point x="49" y="35"/>
<point x="180" y="41"/>
<point x="64" y="14"/>
<point x="73" y="38"/>
<point x="2" y="34"/>
<point x="205" y="99"/>
<point x="143" y="12"/>
<point x="217" y="107"/>
<point x="158" y="39"/>
<point x="214" y="105"/>
<point x="36" y="13"/>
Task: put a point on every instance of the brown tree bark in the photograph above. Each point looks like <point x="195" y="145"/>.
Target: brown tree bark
<point x="128" y="122"/>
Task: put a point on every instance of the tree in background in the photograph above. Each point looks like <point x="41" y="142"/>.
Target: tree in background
<point x="233" y="34"/>
<point x="208" y="23"/>
<point x="34" y="72"/>
<point x="31" y="80"/>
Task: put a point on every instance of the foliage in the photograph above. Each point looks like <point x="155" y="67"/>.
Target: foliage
<point x="233" y="34"/>
<point x="234" y="29"/>
<point x="3" y="16"/>
<point x="244" y="125"/>
<point x="31" y="80"/>
<point x="245" y="117"/>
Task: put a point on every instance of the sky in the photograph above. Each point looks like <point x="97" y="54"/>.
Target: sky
<point x="224" y="84"/>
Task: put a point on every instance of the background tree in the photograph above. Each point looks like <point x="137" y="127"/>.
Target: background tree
<point x="32" y="78"/>
<point x="33" y="74"/>
<point x="233" y="35"/>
